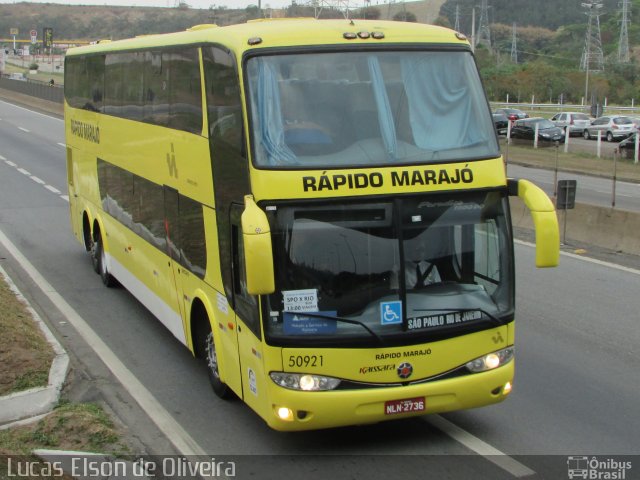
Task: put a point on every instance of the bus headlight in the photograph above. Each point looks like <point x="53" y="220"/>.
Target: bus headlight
<point x="491" y="360"/>
<point x="304" y="381"/>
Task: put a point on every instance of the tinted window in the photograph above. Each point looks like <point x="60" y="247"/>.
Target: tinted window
<point x="158" y="87"/>
<point x="186" y="93"/>
<point x="76" y="82"/>
<point x="223" y="98"/>
<point x="144" y="207"/>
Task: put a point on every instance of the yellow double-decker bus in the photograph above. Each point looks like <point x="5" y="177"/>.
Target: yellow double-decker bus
<point x="318" y="209"/>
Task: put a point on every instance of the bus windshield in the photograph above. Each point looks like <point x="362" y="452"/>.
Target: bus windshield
<point x="367" y="108"/>
<point x="427" y="266"/>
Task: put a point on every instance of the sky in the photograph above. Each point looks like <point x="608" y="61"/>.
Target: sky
<point x="169" y="3"/>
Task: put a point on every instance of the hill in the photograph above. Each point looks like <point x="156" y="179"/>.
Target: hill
<point x="550" y="14"/>
<point x="83" y="22"/>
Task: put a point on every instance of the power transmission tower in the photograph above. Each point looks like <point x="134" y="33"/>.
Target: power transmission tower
<point x="318" y="5"/>
<point x="457" y="24"/>
<point x="623" y="44"/>
<point x="514" y="45"/>
<point x="484" y="34"/>
<point x="592" y="56"/>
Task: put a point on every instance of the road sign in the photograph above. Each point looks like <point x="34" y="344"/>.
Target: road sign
<point x="566" y="194"/>
<point x="13" y="31"/>
<point x="47" y="37"/>
<point x="34" y="36"/>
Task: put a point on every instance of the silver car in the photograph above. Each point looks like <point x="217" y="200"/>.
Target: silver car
<point x="613" y="127"/>
<point x="575" y="121"/>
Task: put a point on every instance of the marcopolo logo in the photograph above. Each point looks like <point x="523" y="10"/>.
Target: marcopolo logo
<point x="596" y="468"/>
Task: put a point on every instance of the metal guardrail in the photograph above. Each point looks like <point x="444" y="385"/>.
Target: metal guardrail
<point x="563" y="107"/>
<point x="53" y="93"/>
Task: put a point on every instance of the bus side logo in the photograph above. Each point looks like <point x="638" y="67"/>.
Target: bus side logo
<point x="171" y="163"/>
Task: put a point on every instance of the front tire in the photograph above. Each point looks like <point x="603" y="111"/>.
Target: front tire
<point x="586" y="135"/>
<point x="609" y="137"/>
<point x="220" y="388"/>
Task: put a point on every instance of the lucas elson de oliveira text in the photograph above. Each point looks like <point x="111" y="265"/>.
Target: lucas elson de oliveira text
<point x="99" y="468"/>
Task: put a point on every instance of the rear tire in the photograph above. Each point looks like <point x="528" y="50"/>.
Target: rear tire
<point x="586" y="135"/>
<point x="99" y="260"/>
<point x="609" y="137"/>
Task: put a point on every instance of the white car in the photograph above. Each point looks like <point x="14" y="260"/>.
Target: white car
<point x="575" y="121"/>
<point x="614" y="127"/>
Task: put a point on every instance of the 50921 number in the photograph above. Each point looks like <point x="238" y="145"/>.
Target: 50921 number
<point x="306" y="361"/>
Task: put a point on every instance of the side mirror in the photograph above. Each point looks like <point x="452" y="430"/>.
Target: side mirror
<point x="258" y="254"/>
<point x="544" y="220"/>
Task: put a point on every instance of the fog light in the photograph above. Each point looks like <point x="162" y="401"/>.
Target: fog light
<point x="507" y="388"/>
<point x="284" y="413"/>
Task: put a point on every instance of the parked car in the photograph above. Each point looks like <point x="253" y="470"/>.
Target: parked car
<point x="512" y="113"/>
<point x="576" y="122"/>
<point x="547" y="131"/>
<point x="628" y="146"/>
<point x="501" y="123"/>
<point x="613" y="127"/>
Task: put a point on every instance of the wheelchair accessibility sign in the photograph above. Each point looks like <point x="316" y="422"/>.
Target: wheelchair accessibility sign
<point x="390" y="313"/>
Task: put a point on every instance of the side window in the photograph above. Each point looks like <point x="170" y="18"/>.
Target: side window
<point x="95" y="73"/>
<point x="223" y="99"/>
<point x="246" y="305"/>
<point x="156" y="89"/>
<point x="113" y="84"/>
<point x="76" y="86"/>
<point x="133" y="86"/>
<point x="193" y="248"/>
<point x="149" y="215"/>
<point x="185" y="94"/>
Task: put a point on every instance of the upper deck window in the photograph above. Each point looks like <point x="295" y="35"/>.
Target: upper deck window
<point x="367" y="108"/>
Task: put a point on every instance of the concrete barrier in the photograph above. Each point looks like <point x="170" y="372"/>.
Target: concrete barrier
<point x="591" y="225"/>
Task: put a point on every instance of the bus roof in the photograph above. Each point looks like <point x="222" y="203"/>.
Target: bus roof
<point x="268" y="33"/>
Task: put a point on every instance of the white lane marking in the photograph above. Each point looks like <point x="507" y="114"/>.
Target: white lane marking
<point x="24" y="172"/>
<point x="173" y="431"/>
<point x="586" y="259"/>
<point x="63" y="145"/>
<point x="32" y="111"/>
<point x="10" y="163"/>
<point x="482" y="448"/>
<point x="37" y="180"/>
<point x="24" y="129"/>
<point x="65" y="198"/>
<point x="2" y="158"/>
<point x="53" y="189"/>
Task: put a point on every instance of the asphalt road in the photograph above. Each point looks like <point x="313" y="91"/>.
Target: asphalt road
<point x="578" y="355"/>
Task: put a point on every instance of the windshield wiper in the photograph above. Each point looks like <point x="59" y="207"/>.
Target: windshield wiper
<point x="341" y="320"/>
<point x="491" y="317"/>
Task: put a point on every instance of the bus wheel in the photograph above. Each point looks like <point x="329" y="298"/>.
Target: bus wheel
<point x="99" y="260"/>
<point x="219" y="387"/>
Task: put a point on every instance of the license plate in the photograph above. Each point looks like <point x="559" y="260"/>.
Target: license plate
<point x="407" y="405"/>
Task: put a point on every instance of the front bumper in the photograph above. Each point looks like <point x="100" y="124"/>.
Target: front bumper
<point x="317" y="410"/>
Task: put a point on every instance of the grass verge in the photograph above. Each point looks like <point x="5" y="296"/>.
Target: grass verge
<point x="25" y="355"/>
<point x="573" y="162"/>
<point x="25" y="360"/>
<point x="71" y="426"/>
